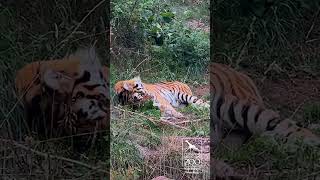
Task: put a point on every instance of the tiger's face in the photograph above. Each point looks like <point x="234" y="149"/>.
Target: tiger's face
<point x="138" y="96"/>
<point x="86" y="94"/>
<point x="129" y="91"/>
<point x="89" y="99"/>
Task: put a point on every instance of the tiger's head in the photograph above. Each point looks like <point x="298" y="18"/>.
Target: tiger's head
<point x="129" y="91"/>
<point x="85" y="91"/>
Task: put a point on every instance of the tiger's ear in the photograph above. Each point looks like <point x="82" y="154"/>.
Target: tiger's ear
<point x="57" y="81"/>
<point x="137" y="78"/>
<point x="127" y="87"/>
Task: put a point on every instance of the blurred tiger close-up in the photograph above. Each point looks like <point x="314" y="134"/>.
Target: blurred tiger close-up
<point x="71" y="93"/>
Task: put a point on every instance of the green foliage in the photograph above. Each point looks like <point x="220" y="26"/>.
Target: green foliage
<point x="160" y="30"/>
<point x="258" y="33"/>
<point x="311" y="113"/>
<point x="270" y="155"/>
<point x="184" y="47"/>
<point x="124" y="154"/>
<point x="146" y="18"/>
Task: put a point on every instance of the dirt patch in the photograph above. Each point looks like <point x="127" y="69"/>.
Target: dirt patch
<point x="288" y="95"/>
<point x="198" y="25"/>
<point x="202" y="90"/>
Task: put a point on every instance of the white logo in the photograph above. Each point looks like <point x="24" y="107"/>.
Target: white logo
<point x="192" y="155"/>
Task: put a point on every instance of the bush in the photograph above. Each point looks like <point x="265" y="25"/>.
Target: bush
<point x="153" y="28"/>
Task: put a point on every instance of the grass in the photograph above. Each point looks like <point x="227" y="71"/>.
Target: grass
<point x="268" y="159"/>
<point x="311" y="113"/>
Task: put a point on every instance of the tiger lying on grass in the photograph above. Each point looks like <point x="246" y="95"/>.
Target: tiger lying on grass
<point x="72" y="92"/>
<point x="246" y="117"/>
<point x="165" y="95"/>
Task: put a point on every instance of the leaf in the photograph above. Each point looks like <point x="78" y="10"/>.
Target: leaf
<point x="167" y="16"/>
<point x="151" y="18"/>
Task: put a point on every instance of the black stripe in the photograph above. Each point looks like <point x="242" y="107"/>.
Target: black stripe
<point x="181" y="96"/>
<point x="91" y="87"/>
<point x="187" y="97"/>
<point x="244" y="114"/>
<point x="269" y="127"/>
<point x="184" y="99"/>
<point x="256" y="117"/>
<point x="101" y="75"/>
<point x="84" y="78"/>
<point x="232" y="116"/>
<point x="195" y="100"/>
<point x="219" y="104"/>
<point x="289" y="134"/>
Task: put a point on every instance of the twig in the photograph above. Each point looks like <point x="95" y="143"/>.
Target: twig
<point x="153" y="120"/>
<point x="175" y="125"/>
<point x="52" y="156"/>
<point x="79" y="24"/>
<point x="139" y="65"/>
<point x="297" y="109"/>
<point x="245" y="44"/>
<point x="19" y="100"/>
<point x="190" y="121"/>
<point x="312" y="26"/>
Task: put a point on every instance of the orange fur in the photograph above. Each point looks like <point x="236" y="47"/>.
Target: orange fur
<point x="235" y="83"/>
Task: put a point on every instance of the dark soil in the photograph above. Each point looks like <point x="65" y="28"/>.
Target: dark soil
<point x="289" y="96"/>
<point x="286" y="96"/>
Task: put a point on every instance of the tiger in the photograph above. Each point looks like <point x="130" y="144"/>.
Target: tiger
<point x="72" y="92"/>
<point x="165" y="95"/>
<point x="247" y="116"/>
<point x="236" y="83"/>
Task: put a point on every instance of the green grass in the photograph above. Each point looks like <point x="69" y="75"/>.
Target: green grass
<point x="273" y="159"/>
<point x="311" y="113"/>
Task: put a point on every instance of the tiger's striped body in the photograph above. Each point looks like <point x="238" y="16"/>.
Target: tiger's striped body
<point x="72" y="92"/>
<point x="165" y="95"/>
<point x="248" y="116"/>
<point x="235" y="83"/>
